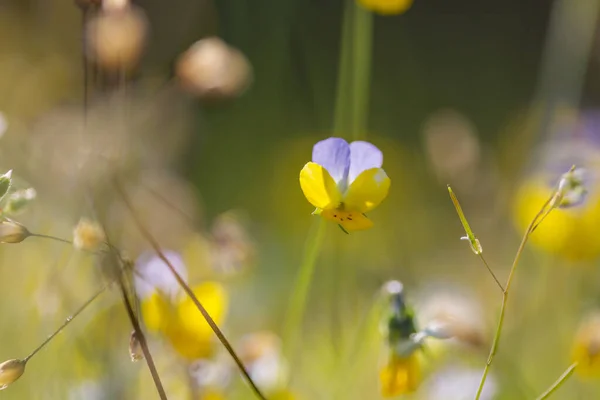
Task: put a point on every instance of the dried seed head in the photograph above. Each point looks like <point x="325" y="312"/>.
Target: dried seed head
<point x="135" y="348"/>
<point x="213" y="70"/>
<point x="10" y="371"/>
<point x="12" y="232"/>
<point x="115" y="38"/>
<point x="88" y="235"/>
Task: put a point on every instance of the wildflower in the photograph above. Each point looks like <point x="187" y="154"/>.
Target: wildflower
<point x="18" y="200"/>
<point x="452" y="314"/>
<point x="10" y="371"/>
<point x="12" y="232"/>
<point x="213" y="70"/>
<point x="261" y="353"/>
<point x="116" y="36"/>
<point x="455" y="382"/>
<point x="211" y="377"/>
<point x="344" y="181"/>
<point x="386" y="7"/>
<point x="569" y="232"/>
<point x="401" y="373"/>
<point x="88" y="235"/>
<point x="171" y="313"/>
<point x="586" y="347"/>
<point x="135" y="348"/>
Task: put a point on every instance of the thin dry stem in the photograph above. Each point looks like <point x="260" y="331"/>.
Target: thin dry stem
<point x="189" y="292"/>
<point x="68" y="320"/>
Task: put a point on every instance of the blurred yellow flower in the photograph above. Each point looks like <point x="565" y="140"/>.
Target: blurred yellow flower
<point x="586" y="348"/>
<point x="344" y="181"/>
<point x="401" y="375"/>
<point x="386" y="7"/>
<point x="570" y="233"/>
<point x="181" y="322"/>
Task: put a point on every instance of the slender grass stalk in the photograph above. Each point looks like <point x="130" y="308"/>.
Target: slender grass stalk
<point x="297" y="306"/>
<point x="543" y="211"/>
<point x="559" y="382"/>
<point x="142" y="339"/>
<point x="67" y="321"/>
<point x="362" y="43"/>
<point x="473" y="241"/>
<point x="215" y="328"/>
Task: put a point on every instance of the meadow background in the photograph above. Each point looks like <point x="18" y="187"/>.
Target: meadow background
<point x="463" y="92"/>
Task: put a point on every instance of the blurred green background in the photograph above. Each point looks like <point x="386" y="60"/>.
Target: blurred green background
<point x="463" y="92"/>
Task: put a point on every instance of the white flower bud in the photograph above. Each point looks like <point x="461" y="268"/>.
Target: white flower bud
<point x="571" y="189"/>
<point x="10" y="371"/>
<point x="12" y="232"/>
<point x="135" y="348"/>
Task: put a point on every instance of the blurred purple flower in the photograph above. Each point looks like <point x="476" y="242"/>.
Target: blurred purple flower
<point x="153" y="274"/>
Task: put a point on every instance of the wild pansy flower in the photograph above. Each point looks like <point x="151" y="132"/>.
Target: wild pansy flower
<point x="402" y="372"/>
<point x="167" y="310"/>
<point x="345" y="181"/>
<point x="386" y="7"/>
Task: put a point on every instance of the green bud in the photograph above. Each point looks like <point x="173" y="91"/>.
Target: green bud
<point x="5" y="182"/>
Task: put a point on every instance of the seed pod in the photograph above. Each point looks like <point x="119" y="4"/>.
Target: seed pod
<point x="213" y="70"/>
<point x="88" y="235"/>
<point x="12" y="232"/>
<point x="115" y="38"/>
<point x="10" y="371"/>
<point x="135" y="348"/>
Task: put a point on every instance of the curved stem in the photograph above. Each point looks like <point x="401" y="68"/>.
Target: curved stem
<point x="215" y="328"/>
<point x="558" y="383"/>
<point x="543" y="211"/>
<point x="50" y="237"/>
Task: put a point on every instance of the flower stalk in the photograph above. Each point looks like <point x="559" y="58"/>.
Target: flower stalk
<point x="559" y="382"/>
<point x="546" y="208"/>
<point x="217" y="331"/>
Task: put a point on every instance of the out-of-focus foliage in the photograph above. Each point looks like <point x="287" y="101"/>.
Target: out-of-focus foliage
<point x="208" y="146"/>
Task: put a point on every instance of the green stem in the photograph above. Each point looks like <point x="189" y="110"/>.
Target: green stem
<point x="496" y="340"/>
<point x="362" y="41"/>
<point x="558" y="383"/>
<point x="295" y="313"/>
<point x="343" y="109"/>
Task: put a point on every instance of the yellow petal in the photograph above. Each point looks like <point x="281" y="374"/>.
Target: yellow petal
<point x="367" y="191"/>
<point x="214" y="299"/>
<point x="400" y="376"/>
<point x="157" y="312"/>
<point x="350" y="221"/>
<point x="189" y="334"/>
<point x="319" y="187"/>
